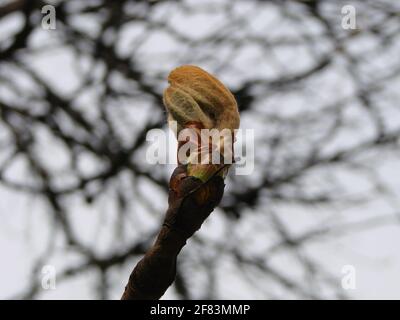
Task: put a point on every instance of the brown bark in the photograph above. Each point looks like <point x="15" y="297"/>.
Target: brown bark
<point x="190" y="202"/>
<point x="12" y="7"/>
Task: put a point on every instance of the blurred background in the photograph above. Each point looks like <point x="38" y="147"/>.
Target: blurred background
<point x="76" y="102"/>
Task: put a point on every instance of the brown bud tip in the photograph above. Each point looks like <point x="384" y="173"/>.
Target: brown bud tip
<point x="194" y="95"/>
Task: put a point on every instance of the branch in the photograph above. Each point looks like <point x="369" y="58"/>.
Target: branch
<point x="190" y="202"/>
<point x="196" y="100"/>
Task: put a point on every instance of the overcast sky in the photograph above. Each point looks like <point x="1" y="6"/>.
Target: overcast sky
<point x="26" y="228"/>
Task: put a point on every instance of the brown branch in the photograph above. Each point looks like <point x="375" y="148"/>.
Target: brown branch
<point x="12" y="7"/>
<point x="190" y="202"/>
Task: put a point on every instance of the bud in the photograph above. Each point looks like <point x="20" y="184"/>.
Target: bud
<point x="196" y="98"/>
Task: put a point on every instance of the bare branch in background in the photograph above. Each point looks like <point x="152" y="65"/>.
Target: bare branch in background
<point x="77" y="102"/>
